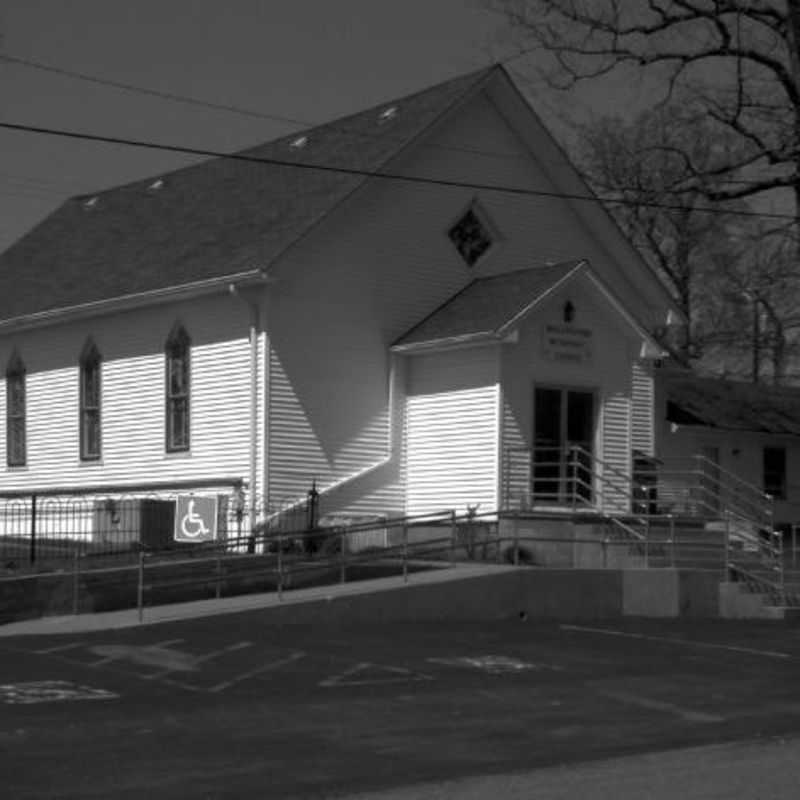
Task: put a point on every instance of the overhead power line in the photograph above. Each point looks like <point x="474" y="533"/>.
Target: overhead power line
<point x="129" y="87"/>
<point x="364" y="173"/>
<point x="229" y="108"/>
<point x="249" y="112"/>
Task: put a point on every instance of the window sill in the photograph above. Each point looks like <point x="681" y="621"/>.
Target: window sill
<point x="170" y="454"/>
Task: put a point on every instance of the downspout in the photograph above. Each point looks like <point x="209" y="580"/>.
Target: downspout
<point x="255" y="314"/>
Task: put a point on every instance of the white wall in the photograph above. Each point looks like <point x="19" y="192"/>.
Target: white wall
<point x="378" y="265"/>
<point x="607" y="373"/>
<point x="133" y="402"/>
<point x="452" y="431"/>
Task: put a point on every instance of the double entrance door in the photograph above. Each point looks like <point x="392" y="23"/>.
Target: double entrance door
<point x="563" y="442"/>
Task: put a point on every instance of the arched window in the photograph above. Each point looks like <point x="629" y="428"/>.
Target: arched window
<point x="177" y="354"/>
<point x="90" y="372"/>
<point x="15" y="411"/>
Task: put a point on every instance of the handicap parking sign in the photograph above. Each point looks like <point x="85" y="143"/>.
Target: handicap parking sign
<point x="195" y="518"/>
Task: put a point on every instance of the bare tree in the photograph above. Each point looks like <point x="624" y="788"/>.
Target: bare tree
<point x="724" y="128"/>
<point x="734" y="276"/>
<point x="640" y="166"/>
<point x="737" y="59"/>
<point x="750" y="326"/>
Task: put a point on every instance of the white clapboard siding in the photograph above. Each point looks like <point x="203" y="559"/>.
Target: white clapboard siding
<point x="359" y="475"/>
<point x="452" y="431"/>
<point x="451" y="450"/>
<point x="616" y="453"/>
<point x="133" y="404"/>
<point x="642" y="408"/>
<point x="516" y="461"/>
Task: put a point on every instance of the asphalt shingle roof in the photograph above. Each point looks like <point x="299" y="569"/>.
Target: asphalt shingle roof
<point x="485" y="305"/>
<point x="213" y="219"/>
<point x="733" y="405"/>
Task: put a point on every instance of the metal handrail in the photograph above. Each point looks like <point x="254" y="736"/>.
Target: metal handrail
<point x="628" y="529"/>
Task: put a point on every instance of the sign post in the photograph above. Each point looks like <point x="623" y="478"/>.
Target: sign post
<point x="195" y="518"/>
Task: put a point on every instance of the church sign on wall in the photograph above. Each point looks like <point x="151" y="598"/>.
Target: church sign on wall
<point x="568" y="343"/>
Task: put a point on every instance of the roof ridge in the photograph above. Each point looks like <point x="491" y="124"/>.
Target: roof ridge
<point x="337" y="123"/>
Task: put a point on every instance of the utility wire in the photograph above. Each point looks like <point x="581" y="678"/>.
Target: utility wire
<point x="233" y="109"/>
<point x="364" y="173"/>
<point x="129" y="87"/>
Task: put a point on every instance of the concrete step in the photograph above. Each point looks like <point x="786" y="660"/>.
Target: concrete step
<point x="735" y="602"/>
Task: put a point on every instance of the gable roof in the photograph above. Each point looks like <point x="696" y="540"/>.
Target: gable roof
<point x="210" y="221"/>
<point x="485" y="306"/>
<point x="488" y="309"/>
<point x="732" y="405"/>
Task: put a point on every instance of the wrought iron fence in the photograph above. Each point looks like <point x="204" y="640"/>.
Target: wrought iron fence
<point x="41" y="528"/>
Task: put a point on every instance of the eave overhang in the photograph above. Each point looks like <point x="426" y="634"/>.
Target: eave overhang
<point x="168" y="294"/>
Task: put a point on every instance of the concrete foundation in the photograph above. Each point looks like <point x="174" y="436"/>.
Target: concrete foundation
<point x="463" y="593"/>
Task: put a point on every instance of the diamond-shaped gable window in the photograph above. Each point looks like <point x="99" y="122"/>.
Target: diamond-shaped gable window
<point x="471" y="237"/>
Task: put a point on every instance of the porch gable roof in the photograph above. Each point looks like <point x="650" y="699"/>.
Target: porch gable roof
<point x="488" y="309"/>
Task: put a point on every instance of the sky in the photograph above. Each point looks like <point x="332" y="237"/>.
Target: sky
<point x="307" y="60"/>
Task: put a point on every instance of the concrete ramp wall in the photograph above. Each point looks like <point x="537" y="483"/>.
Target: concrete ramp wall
<point x="538" y="593"/>
<point x="464" y="593"/>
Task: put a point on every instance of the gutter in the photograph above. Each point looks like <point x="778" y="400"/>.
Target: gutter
<point x="465" y="340"/>
<point x="125" y="302"/>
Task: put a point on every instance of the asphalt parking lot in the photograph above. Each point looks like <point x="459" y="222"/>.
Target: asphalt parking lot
<point x="225" y="707"/>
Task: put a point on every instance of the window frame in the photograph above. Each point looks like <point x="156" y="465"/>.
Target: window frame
<point x="493" y="235"/>
<point x="90" y="359"/>
<point x="16" y="371"/>
<point x="178" y="346"/>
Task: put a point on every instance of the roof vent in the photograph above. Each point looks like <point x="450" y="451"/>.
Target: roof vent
<point x="387" y="114"/>
<point x="91" y="202"/>
<point x="299" y="143"/>
<point x="156" y="184"/>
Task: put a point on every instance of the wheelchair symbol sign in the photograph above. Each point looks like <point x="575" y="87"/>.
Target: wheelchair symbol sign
<point x="195" y="518"/>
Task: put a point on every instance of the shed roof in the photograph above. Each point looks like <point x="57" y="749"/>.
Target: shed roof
<point x="732" y="405"/>
<point x="221" y="217"/>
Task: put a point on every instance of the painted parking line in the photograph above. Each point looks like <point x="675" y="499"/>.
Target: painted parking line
<point x="59" y="649"/>
<point x="684" y="642"/>
<point x="257" y="671"/>
<point x="34" y="692"/>
<point x="196" y="661"/>
<point x="494" y="665"/>
<point x="658" y="705"/>
<point x="162" y="662"/>
<point x="160" y="654"/>
<point x="368" y="674"/>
